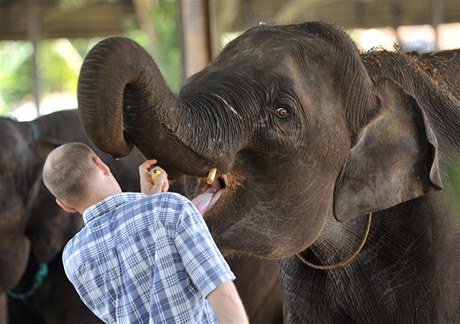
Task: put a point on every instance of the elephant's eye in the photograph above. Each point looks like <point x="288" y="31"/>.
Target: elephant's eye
<point x="282" y="112"/>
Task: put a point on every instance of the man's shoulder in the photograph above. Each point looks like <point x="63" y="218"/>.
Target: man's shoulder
<point x="173" y="196"/>
<point x="168" y="208"/>
<point x="167" y="200"/>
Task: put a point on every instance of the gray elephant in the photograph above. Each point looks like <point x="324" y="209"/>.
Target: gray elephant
<point x="33" y="228"/>
<point x="335" y="162"/>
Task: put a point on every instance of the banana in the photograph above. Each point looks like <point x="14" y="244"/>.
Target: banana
<point x="211" y="175"/>
<point x="154" y="173"/>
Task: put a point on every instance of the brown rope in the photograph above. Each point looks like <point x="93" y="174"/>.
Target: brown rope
<point x="344" y="262"/>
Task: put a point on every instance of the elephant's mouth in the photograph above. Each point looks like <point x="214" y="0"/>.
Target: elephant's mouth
<point x="215" y="186"/>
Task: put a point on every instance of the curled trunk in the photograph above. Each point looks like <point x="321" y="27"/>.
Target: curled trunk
<point x="122" y="97"/>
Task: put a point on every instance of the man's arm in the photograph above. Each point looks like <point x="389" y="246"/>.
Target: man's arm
<point x="227" y="304"/>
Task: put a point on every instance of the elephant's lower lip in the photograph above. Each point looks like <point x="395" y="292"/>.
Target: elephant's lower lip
<point x="215" y="198"/>
<point x="206" y="200"/>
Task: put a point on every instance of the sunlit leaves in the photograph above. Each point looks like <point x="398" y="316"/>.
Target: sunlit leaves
<point x="15" y="71"/>
<point x="60" y="66"/>
<point x="60" y="60"/>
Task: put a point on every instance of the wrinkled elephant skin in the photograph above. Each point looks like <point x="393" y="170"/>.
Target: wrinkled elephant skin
<point x="309" y="136"/>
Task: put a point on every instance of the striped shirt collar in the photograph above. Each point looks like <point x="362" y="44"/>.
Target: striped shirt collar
<point x="108" y="204"/>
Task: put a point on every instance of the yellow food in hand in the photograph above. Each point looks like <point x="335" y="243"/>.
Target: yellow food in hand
<point x="154" y="173"/>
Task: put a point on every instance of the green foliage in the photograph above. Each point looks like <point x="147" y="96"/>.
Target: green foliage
<point x="15" y="71"/>
<point x="64" y="61"/>
<point x="60" y="60"/>
<point x="166" y="52"/>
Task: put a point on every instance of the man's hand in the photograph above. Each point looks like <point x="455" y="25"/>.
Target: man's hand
<point x="161" y="182"/>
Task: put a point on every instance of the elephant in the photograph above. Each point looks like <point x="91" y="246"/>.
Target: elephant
<point x="335" y="162"/>
<point x="34" y="229"/>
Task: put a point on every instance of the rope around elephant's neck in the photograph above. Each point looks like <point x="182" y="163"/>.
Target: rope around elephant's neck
<point x="40" y="276"/>
<point x="34" y="129"/>
<point x="347" y="260"/>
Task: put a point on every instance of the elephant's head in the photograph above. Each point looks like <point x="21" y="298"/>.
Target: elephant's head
<point x="287" y="114"/>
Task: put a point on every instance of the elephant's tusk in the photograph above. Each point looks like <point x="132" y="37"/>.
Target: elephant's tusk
<point x="227" y="180"/>
<point x="211" y="175"/>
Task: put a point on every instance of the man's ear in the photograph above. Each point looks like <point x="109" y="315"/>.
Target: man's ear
<point x="64" y="206"/>
<point x="101" y="165"/>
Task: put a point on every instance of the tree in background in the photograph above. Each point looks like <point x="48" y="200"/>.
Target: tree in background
<point x="154" y="26"/>
<point x="59" y="60"/>
<point x="15" y="71"/>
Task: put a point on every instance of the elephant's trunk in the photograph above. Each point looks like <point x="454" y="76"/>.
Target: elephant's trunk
<point x="123" y="100"/>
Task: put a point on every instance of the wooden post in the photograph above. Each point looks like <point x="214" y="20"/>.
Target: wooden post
<point x="33" y="27"/>
<point x="437" y="17"/>
<point x="195" y="35"/>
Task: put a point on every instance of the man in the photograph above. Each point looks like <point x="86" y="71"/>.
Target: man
<point x="141" y="257"/>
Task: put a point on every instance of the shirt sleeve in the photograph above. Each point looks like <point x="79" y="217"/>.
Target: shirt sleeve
<point x="202" y="259"/>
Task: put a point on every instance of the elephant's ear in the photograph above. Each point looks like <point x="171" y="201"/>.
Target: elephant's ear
<point x="42" y="147"/>
<point x="394" y="160"/>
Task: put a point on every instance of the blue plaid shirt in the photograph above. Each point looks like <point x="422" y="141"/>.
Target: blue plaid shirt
<point x="145" y="259"/>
